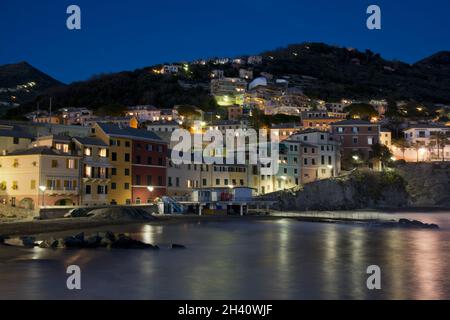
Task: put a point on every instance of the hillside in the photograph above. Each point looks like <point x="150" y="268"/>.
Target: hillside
<point x="337" y="73"/>
<point x="21" y="82"/>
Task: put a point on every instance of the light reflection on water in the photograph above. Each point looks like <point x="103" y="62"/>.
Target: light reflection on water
<point x="282" y="259"/>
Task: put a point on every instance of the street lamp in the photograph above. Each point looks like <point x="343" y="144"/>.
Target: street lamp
<point x="355" y="158"/>
<point x="43" y="188"/>
<point x="150" y="188"/>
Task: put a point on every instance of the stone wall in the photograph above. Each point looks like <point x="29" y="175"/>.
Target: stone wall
<point x="410" y="185"/>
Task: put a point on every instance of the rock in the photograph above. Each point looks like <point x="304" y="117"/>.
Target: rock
<point x="125" y="242"/>
<point x="3" y="238"/>
<point x="178" y="246"/>
<point x="50" y="243"/>
<point x="28" y="241"/>
<point x="94" y="241"/>
<point x="73" y="242"/>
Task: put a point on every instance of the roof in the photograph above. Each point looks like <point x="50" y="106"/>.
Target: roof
<point x="90" y="141"/>
<point x="127" y="132"/>
<point x="10" y="130"/>
<point x="42" y="150"/>
<point x="353" y="122"/>
<point x="428" y="126"/>
<point x="56" y="137"/>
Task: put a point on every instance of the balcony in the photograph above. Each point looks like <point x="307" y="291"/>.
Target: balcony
<point x="70" y="191"/>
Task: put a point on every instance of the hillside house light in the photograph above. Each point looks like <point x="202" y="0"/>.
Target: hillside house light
<point x="330" y="166"/>
<point x="355" y="158"/>
<point x="150" y="188"/>
<point x="393" y="158"/>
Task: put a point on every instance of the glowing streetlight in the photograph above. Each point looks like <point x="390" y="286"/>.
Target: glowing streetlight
<point x="43" y="188"/>
<point x="393" y="158"/>
<point x="355" y="158"/>
<point x="150" y="188"/>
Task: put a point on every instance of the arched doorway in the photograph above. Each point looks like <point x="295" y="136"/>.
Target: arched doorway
<point x="26" y="203"/>
<point x="63" y="202"/>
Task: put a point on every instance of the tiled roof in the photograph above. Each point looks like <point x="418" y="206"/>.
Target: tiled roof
<point x="90" y="141"/>
<point x="352" y="122"/>
<point x="127" y="132"/>
<point x="37" y="150"/>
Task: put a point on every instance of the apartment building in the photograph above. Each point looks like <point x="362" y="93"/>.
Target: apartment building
<point x="39" y="176"/>
<point x="13" y="138"/>
<point x="356" y="137"/>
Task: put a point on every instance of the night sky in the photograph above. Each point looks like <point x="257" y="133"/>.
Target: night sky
<point x="125" y="35"/>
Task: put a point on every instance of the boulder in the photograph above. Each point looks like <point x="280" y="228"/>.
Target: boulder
<point x="50" y="243"/>
<point x="178" y="246"/>
<point x="28" y="241"/>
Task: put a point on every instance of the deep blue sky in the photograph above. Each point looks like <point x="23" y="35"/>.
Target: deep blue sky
<point x="125" y="35"/>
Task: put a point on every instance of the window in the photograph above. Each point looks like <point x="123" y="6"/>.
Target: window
<point x="88" y="171"/>
<point x="305" y="150"/>
<point x="87" y="151"/>
<point x="113" y="185"/>
<point x="355" y="140"/>
<point x="87" y="189"/>
<point x="126" y="186"/>
<point x="138" y="180"/>
<point x="54" y="163"/>
<point x="127" y="171"/>
<point x="160" y="181"/>
<point x="177" y="181"/>
<point x="138" y="159"/>
<point x="149" y="147"/>
<point x="225" y="182"/>
<point x="217" y="182"/>
<point x="127" y="157"/>
<point x="15" y="140"/>
<point x="160" y="161"/>
<point x="370" y="141"/>
<point x="149" y="180"/>
<point x="70" y="164"/>
<point x="114" y="156"/>
<point x="127" y="144"/>
<point x="305" y="161"/>
<point x="103" y="152"/>
<point x="322" y="160"/>
<point x="355" y="129"/>
<point x="204" y="182"/>
<point x="241" y="182"/>
<point x="169" y="181"/>
<point x="313" y="161"/>
<point x="149" y="160"/>
<point x="101" y="189"/>
<point x="340" y="130"/>
<point x="329" y="160"/>
<point x="33" y="184"/>
<point x="113" y="171"/>
<point x="322" y="137"/>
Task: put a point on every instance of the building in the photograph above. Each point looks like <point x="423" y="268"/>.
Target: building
<point x="228" y="91"/>
<point x="138" y="157"/>
<point x="148" y="167"/>
<point x="320" y="156"/>
<point x="245" y="74"/>
<point x="39" y="176"/>
<point x="356" y="138"/>
<point x="144" y="113"/>
<point x="386" y="137"/>
<point x="423" y="133"/>
<point x="317" y="120"/>
<point x="95" y="170"/>
<point x="285" y="130"/>
<point x="75" y="116"/>
<point x="235" y="112"/>
<point x="13" y="138"/>
<point x="254" y="60"/>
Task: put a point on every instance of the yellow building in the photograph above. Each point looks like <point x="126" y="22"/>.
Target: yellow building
<point x="120" y="153"/>
<point x="386" y="137"/>
<point x="13" y="138"/>
<point x="39" y="176"/>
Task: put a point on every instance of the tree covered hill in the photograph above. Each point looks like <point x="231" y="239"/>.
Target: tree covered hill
<point x="337" y="72"/>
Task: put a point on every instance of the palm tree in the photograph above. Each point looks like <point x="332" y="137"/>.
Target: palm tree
<point x="402" y="144"/>
<point x="417" y="146"/>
